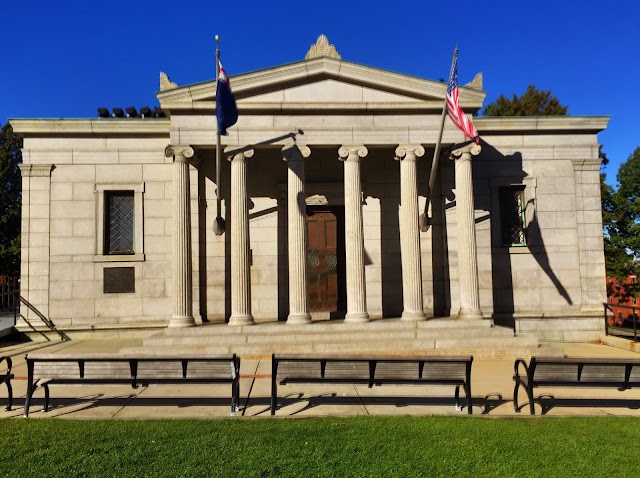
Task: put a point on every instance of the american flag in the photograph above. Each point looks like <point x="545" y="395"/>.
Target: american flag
<point x="453" y="106"/>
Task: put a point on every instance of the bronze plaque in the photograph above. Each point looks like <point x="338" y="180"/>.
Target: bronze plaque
<point x="119" y="280"/>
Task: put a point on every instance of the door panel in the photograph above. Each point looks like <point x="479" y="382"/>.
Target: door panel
<point x="322" y="260"/>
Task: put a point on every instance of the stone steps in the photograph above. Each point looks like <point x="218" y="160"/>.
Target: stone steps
<point x="390" y="336"/>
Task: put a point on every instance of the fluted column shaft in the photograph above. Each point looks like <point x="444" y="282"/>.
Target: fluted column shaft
<point x="240" y="260"/>
<point x="467" y="252"/>
<point x="354" y="237"/>
<point x="296" y="230"/>
<point x="182" y="281"/>
<point x="409" y="233"/>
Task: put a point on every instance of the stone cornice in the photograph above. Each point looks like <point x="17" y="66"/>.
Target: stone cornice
<point x="523" y="124"/>
<point x="247" y="106"/>
<point x="92" y="127"/>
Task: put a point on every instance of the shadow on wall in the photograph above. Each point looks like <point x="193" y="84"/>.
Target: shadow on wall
<point x="509" y="171"/>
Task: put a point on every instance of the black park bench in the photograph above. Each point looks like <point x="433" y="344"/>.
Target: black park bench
<point x="6" y="379"/>
<point x="49" y="369"/>
<point x="621" y="374"/>
<point x="372" y="370"/>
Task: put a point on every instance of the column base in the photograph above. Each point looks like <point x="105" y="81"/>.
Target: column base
<point x="469" y="314"/>
<point x="299" y="319"/>
<point x="413" y="316"/>
<point x="356" y="317"/>
<point x="241" y="320"/>
<point x="185" y="321"/>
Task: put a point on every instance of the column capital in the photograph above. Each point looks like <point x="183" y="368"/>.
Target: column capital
<point x="465" y="151"/>
<point x="410" y="152"/>
<point x="181" y="153"/>
<point x="295" y="152"/>
<point x="43" y="170"/>
<point x="352" y="153"/>
<point x="235" y="154"/>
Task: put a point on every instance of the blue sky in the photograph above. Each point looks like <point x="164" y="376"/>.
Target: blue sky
<point x="65" y="59"/>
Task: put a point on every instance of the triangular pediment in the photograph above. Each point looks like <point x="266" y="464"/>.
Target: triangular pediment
<point x="322" y="83"/>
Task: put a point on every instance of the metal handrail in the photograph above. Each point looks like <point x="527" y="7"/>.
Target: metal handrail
<point x="633" y="317"/>
<point x="10" y="297"/>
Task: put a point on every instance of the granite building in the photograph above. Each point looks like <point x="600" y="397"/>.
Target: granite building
<point x="322" y="184"/>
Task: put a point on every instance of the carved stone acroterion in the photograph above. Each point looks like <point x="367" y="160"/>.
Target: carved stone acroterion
<point x="322" y="48"/>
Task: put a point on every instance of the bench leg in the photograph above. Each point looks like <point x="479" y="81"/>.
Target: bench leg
<point x="532" y="410"/>
<point x="274" y="386"/>
<point x="235" y="388"/>
<point x="457" y="395"/>
<point x="10" y="393"/>
<point x="516" y="406"/>
<point x="46" y="397"/>
<point x="467" y="391"/>
<point x="27" y="403"/>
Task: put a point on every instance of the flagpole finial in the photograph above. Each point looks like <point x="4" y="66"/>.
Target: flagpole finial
<point x="217" y="38"/>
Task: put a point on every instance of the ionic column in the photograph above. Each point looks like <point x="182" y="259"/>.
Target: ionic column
<point x="409" y="233"/>
<point x="182" y="295"/>
<point x="296" y="229"/>
<point x="240" y="264"/>
<point x="354" y="237"/>
<point x="467" y="252"/>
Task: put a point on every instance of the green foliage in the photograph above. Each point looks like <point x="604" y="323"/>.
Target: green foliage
<point x="621" y="219"/>
<point x="370" y="446"/>
<point x="533" y="102"/>
<point x="10" y="197"/>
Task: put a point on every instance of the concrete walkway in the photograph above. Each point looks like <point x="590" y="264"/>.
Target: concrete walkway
<point x="492" y="390"/>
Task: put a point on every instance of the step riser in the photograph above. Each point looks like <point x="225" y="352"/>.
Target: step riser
<point x="285" y="338"/>
<point x="277" y="328"/>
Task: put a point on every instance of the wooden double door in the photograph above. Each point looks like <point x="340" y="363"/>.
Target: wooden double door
<point x="326" y="260"/>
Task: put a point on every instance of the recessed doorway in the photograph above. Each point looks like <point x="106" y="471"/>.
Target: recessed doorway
<point x="326" y="278"/>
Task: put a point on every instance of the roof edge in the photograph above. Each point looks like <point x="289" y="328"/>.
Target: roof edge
<point x="148" y="126"/>
<point x="585" y="124"/>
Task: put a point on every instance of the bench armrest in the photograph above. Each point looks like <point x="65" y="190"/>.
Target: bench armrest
<point x="520" y="369"/>
<point x="9" y="363"/>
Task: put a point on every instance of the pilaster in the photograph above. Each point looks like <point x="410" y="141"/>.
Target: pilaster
<point x="590" y="238"/>
<point x="34" y="245"/>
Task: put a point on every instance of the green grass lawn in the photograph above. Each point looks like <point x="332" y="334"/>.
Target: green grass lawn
<point x="332" y="447"/>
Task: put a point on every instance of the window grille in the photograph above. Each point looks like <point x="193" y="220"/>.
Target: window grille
<point x="512" y="219"/>
<point x="119" y="222"/>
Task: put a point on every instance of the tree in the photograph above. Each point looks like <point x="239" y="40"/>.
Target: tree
<point x="533" y="102"/>
<point x="621" y="219"/>
<point x="10" y="200"/>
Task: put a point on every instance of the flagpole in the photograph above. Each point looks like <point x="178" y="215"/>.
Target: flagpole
<point x="425" y="221"/>
<point x="218" y="224"/>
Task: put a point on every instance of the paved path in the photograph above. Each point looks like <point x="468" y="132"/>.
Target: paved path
<point x="492" y="389"/>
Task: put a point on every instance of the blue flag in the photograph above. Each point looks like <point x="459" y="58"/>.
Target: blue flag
<point x="226" y="109"/>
